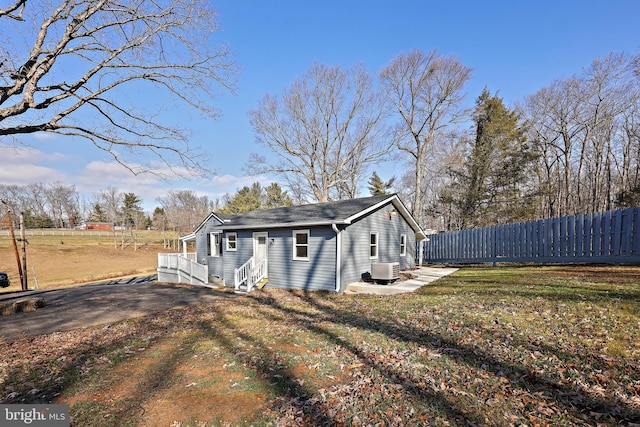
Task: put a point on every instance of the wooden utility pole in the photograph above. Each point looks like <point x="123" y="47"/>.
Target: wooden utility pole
<point x="23" y="241"/>
<point x="15" y="247"/>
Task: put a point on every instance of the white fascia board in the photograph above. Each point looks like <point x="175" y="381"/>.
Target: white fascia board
<point x="420" y="234"/>
<point x="211" y="215"/>
<point x="369" y="209"/>
<point x="397" y="203"/>
<point x="188" y="237"/>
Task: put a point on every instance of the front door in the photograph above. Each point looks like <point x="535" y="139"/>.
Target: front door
<point x="260" y="244"/>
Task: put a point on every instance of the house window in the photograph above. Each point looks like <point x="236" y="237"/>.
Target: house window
<point x="301" y="245"/>
<point x="403" y="245"/>
<point x="214" y="244"/>
<point x="232" y="242"/>
<point x="373" y="245"/>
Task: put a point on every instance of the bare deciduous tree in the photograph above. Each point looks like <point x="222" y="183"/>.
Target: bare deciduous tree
<point x="45" y="205"/>
<point x="184" y="209"/>
<point x="426" y="91"/>
<point x="584" y="129"/>
<point x="77" y="64"/>
<point x="325" y="131"/>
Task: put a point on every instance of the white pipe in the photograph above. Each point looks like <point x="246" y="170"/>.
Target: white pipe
<point x="338" y="255"/>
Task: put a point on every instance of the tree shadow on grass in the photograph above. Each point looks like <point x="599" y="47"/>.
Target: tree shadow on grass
<point x="276" y="376"/>
<point x="418" y="388"/>
<point x="72" y="369"/>
<point x="576" y="401"/>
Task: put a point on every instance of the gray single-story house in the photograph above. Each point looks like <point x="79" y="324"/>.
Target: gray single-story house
<point x="320" y="246"/>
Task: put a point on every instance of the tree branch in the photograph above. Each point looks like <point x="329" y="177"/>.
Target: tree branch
<point x="91" y="53"/>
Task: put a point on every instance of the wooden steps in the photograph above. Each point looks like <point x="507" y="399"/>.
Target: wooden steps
<point x="243" y="288"/>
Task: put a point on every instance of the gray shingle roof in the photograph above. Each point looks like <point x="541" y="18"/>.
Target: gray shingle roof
<point x="328" y="212"/>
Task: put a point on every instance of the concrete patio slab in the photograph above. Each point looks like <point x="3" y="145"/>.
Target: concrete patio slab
<point x="425" y="275"/>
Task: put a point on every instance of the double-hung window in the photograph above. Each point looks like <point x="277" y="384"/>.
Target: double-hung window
<point x="403" y="245"/>
<point x="373" y="245"/>
<point x="232" y="242"/>
<point x="301" y="245"/>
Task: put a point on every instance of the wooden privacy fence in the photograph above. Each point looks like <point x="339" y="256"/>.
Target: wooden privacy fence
<point x="605" y="237"/>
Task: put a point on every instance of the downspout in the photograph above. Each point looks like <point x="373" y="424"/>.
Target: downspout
<point x="338" y="255"/>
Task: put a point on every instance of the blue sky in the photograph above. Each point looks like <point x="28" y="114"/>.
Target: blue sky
<point x="514" y="47"/>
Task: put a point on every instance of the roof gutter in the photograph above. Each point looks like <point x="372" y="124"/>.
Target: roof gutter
<point x="335" y="228"/>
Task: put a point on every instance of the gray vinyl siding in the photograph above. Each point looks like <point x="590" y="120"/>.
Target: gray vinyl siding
<point x="201" y="244"/>
<point x="355" y="243"/>
<point x="215" y="264"/>
<point x="318" y="273"/>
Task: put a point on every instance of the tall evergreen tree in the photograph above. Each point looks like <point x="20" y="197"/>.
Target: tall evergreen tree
<point x="245" y="200"/>
<point x="489" y="188"/>
<point x="256" y="197"/>
<point x="98" y="214"/>
<point x="275" y="197"/>
<point x="131" y="210"/>
<point x="378" y="187"/>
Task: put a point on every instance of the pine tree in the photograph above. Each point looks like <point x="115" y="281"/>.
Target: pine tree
<point x="256" y="197"/>
<point x="98" y="214"/>
<point x="131" y="210"/>
<point x="378" y="187"/>
<point x="488" y="189"/>
<point x="275" y="197"/>
<point x="245" y="200"/>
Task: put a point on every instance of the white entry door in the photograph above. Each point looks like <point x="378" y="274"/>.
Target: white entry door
<point x="260" y="245"/>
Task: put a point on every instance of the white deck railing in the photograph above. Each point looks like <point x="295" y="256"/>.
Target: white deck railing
<point x="241" y="274"/>
<point x="186" y="269"/>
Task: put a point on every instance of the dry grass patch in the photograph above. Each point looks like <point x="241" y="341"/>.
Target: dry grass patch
<point x="62" y="261"/>
<point x="506" y="346"/>
<point x="24" y="305"/>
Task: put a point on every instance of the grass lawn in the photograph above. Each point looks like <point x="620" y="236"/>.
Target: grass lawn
<point x="505" y="346"/>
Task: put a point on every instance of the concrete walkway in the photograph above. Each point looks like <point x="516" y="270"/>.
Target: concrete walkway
<point x="425" y="275"/>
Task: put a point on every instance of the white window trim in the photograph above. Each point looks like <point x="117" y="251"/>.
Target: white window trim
<point x="371" y="245"/>
<point x="228" y="247"/>
<point x="403" y="245"/>
<point x="295" y="245"/>
<point x="215" y="249"/>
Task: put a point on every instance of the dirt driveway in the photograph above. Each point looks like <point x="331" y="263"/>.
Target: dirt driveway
<point x="99" y="303"/>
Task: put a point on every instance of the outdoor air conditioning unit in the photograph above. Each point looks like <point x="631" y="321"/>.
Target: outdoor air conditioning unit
<point x="386" y="271"/>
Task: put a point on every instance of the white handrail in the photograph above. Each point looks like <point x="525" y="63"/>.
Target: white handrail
<point x="241" y="274"/>
<point x="250" y="274"/>
<point x="257" y="273"/>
